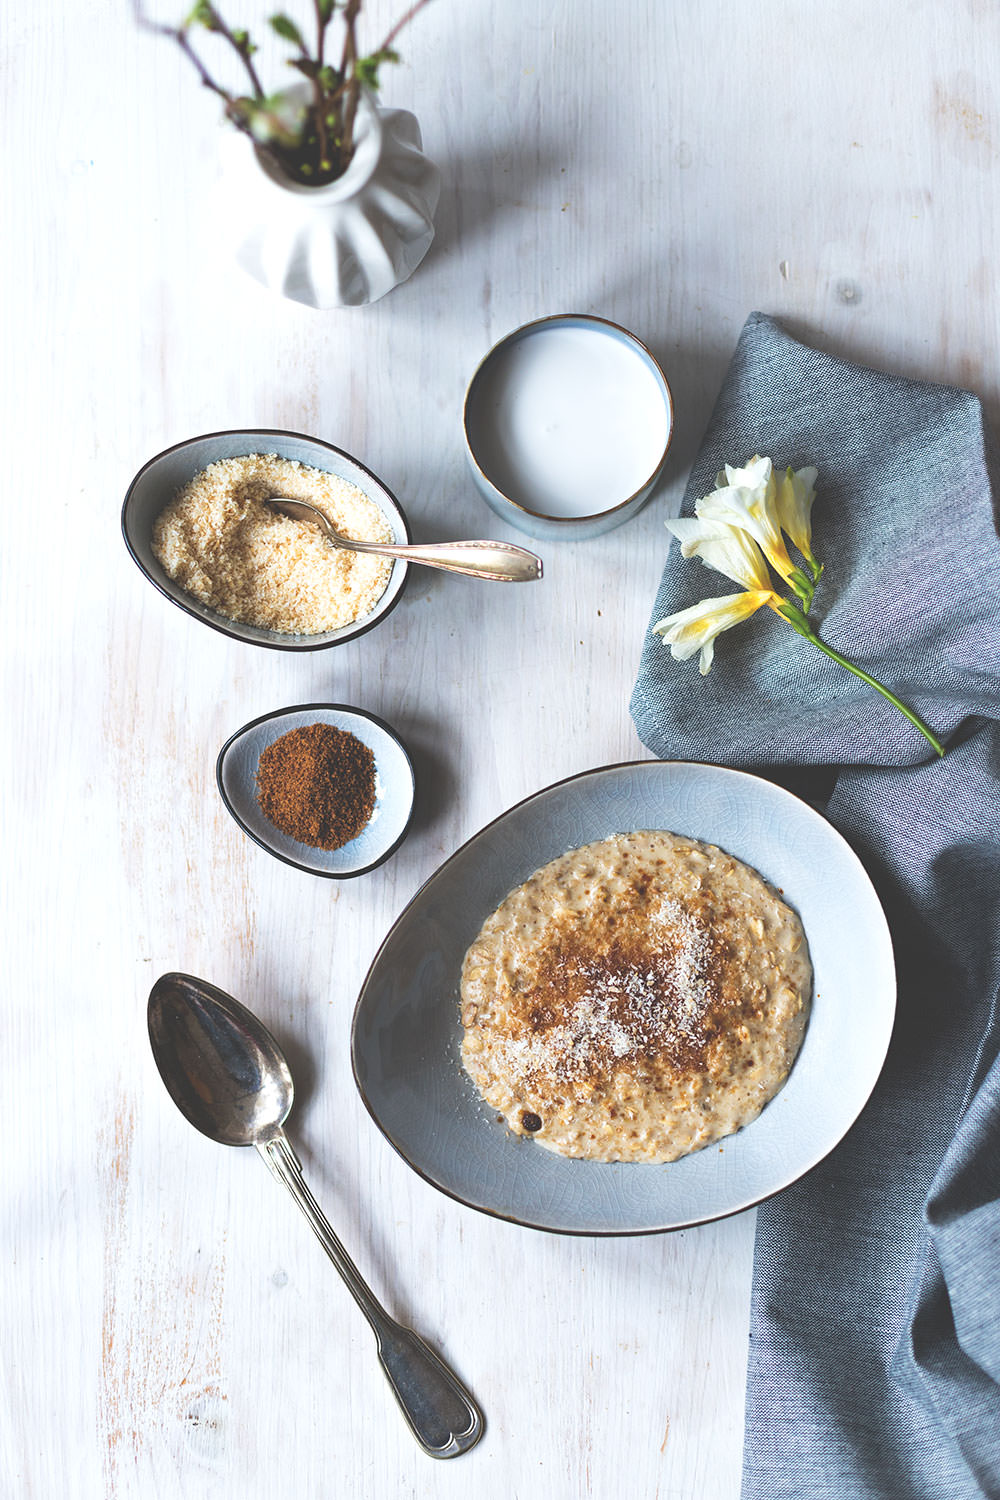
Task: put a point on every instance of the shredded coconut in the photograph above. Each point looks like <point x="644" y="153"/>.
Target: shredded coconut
<point x="226" y="549"/>
<point x="627" y="1008"/>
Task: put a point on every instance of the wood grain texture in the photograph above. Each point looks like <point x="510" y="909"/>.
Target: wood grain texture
<point x="169" y="1327"/>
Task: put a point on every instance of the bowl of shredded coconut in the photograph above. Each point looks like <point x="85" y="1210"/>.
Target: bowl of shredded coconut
<point x="195" y="522"/>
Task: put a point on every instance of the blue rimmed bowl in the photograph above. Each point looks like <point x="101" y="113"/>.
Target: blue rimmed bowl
<point x="395" y="787"/>
<point x="407" y="1030"/>
<point x="159" y="480"/>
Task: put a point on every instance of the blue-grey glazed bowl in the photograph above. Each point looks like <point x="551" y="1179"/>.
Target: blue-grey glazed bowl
<point x="395" y="786"/>
<point x="158" y="481"/>
<point x="407" y="1032"/>
<point x="508" y="401"/>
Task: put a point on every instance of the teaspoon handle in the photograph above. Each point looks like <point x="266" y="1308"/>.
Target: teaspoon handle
<point x="441" y="1413"/>
<point x="500" y="561"/>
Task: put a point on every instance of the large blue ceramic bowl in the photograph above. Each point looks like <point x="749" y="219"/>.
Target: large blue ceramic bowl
<point x="407" y="1032"/>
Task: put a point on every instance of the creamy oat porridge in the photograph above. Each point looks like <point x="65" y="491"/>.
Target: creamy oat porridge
<point x="635" y="999"/>
<point x="226" y="549"/>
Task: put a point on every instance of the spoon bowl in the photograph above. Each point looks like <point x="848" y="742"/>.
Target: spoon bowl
<point x="498" y="561"/>
<point x="219" y="1063"/>
<point x="229" y="1078"/>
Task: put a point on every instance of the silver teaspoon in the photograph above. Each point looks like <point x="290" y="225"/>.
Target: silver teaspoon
<point x="497" y="560"/>
<point x="229" y="1078"/>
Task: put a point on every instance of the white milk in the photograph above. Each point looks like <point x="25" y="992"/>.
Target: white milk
<point x="569" y="421"/>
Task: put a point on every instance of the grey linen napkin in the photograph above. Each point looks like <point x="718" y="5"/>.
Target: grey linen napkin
<point x="875" y="1324"/>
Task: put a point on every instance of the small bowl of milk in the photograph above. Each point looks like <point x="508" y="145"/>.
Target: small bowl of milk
<point x="567" y="425"/>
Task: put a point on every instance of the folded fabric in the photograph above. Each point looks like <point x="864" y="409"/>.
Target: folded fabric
<point x="874" y="1366"/>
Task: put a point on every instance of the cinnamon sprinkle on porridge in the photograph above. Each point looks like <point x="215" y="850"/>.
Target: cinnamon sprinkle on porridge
<point x="635" y="999"/>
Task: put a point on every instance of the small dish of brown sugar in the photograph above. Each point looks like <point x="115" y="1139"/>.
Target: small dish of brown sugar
<point x="321" y="786"/>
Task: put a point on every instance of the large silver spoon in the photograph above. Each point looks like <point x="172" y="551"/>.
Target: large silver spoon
<point x="497" y="560"/>
<point x="228" y="1076"/>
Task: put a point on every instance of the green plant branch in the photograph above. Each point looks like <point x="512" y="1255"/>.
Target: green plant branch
<point x="404" y="20"/>
<point x="243" y="47"/>
<point x="179" y="34"/>
<point x="348" y="62"/>
<point x="316" y="147"/>
<point x="315" y="74"/>
<point x="323" y="10"/>
<point x="323" y="14"/>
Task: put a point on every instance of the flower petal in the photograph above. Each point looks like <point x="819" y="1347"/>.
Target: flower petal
<point x="795" y="493"/>
<point x="752" y="508"/>
<point x="753" y="475"/>
<point x="694" y="629"/>
<point x="725" y="548"/>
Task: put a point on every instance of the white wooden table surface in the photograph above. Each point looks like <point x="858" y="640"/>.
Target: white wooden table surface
<point x="169" y="1327"/>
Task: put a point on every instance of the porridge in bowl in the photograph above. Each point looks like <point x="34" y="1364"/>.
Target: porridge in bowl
<point x="635" y="999"/>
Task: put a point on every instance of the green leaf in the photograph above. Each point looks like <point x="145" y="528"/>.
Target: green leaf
<point x="366" y="68"/>
<point x="306" y="65"/>
<point x="329" y="78"/>
<point x="286" y="28"/>
<point x="202" y="14"/>
<point x="326" y="9"/>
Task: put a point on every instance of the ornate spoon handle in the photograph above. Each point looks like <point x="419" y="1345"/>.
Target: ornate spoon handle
<point x="496" y="560"/>
<point x="441" y="1414"/>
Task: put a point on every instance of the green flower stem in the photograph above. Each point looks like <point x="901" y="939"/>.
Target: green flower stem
<point x="804" y="627"/>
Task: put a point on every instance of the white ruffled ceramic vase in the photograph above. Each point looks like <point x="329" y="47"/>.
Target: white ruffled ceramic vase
<point x="345" y="244"/>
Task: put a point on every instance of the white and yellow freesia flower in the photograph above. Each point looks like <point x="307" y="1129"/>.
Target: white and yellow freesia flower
<point x="748" y="477"/>
<point x="729" y="550"/>
<point x="737" y="530"/>
<point x="794" y="496"/>
<point x="695" y="629"/>
<point x="724" y="548"/>
<point x="748" y="501"/>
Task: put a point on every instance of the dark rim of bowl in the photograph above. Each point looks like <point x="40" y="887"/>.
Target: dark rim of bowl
<point x="218" y="623"/>
<point x="299" y="708"/>
<point x="604" y="1234"/>
<point x="512" y="337"/>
